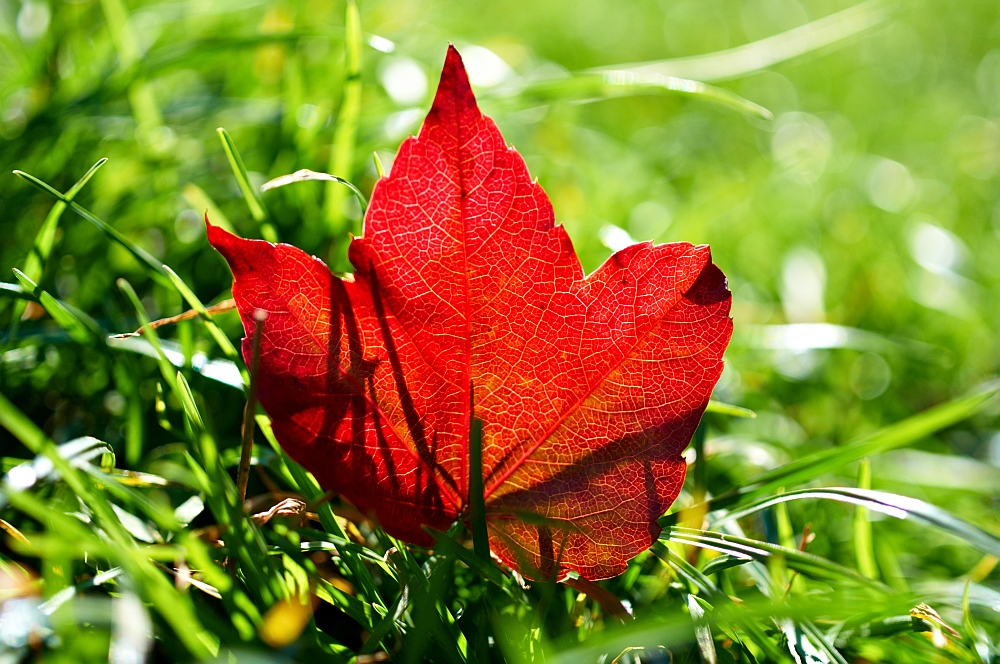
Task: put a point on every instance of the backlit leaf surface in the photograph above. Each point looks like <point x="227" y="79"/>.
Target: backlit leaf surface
<point x="589" y="387"/>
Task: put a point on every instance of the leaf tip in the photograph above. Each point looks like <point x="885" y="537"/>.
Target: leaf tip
<point x="215" y="234"/>
<point x="220" y="239"/>
<point x="454" y="67"/>
<point x="454" y="93"/>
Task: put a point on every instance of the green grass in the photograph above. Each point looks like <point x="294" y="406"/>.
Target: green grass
<point x="841" y="159"/>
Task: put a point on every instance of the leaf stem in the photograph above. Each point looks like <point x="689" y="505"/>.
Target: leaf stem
<point x="477" y="501"/>
<point x="243" y="473"/>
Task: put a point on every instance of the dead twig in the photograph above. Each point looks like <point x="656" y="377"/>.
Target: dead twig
<point x="221" y="307"/>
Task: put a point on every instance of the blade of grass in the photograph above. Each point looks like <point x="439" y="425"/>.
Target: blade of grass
<point x="703" y="633"/>
<point x="15" y="291"/>
<point x="864" y="548"/>
<point x="352" y="606"/>
<point x="27" y="474"/>
<point x="816" y="638"/>
<point x="320" y="540"/>
<point x="804" y="640"/>
<point x="823" y="336"/>
<point x="973" y="633"/>
<point x="307" y="485"/>
<point x="786" y="537"/>
<point x="159" y="514"/>
<point x="245" y="544"/>
<point x="305" y="175"/>
<point x="166" y="367"/>
<point x="249" y="410"/>
<point x="590" y="87"/>
<point x="345" y="135"/>
<point x="729" y="409"/>
<point x="719" y="600"/>
<point x="407" y="569"/>
<point x="175" y="54"/>
<point x="888" y="565"/>
<point x="187" y="403"/>
<point x="220" y="337"/>
<point x="385" y="626"/>
<point x="52" y="604"/>
<point x="360" y="610"/>
<point x="673" y="629"/>
<point x="81" y="327"/>
<point x="488" y="571"/>
<point x="890" y="504"/>
<point x="203" y="204"/>
<point x="175" y="608"/>
<point x="257" y="209"/>
<point x="434" y="622"/>
<point x="223" y="371"/>
<point x="153" y="267"/>
<point x="607" y="600"/>
<point x="746" y="549"/>
<point x="428" y="584"/>
<point x="768" y="52"/>
<point x="892" y="437"/>
<point x="127" y="385"/>
<point x="34" y="264"/>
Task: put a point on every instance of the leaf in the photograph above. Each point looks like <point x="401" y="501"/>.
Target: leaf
<point x="588" y="387"/>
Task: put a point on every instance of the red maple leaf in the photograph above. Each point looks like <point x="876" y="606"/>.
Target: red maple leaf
<point x="589" y="387"/>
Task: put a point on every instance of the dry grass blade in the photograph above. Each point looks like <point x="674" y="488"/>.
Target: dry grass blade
<point x="604" y="597"/>
<point x="221" y="307"/>
<point x="13" y="532"/>
<point x="286" y="507"/>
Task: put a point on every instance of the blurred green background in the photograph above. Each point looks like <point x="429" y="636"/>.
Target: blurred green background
<point x="859" y="228"/>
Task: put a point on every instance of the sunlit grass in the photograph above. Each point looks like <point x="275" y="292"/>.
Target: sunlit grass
<point x="857" y="228"/>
